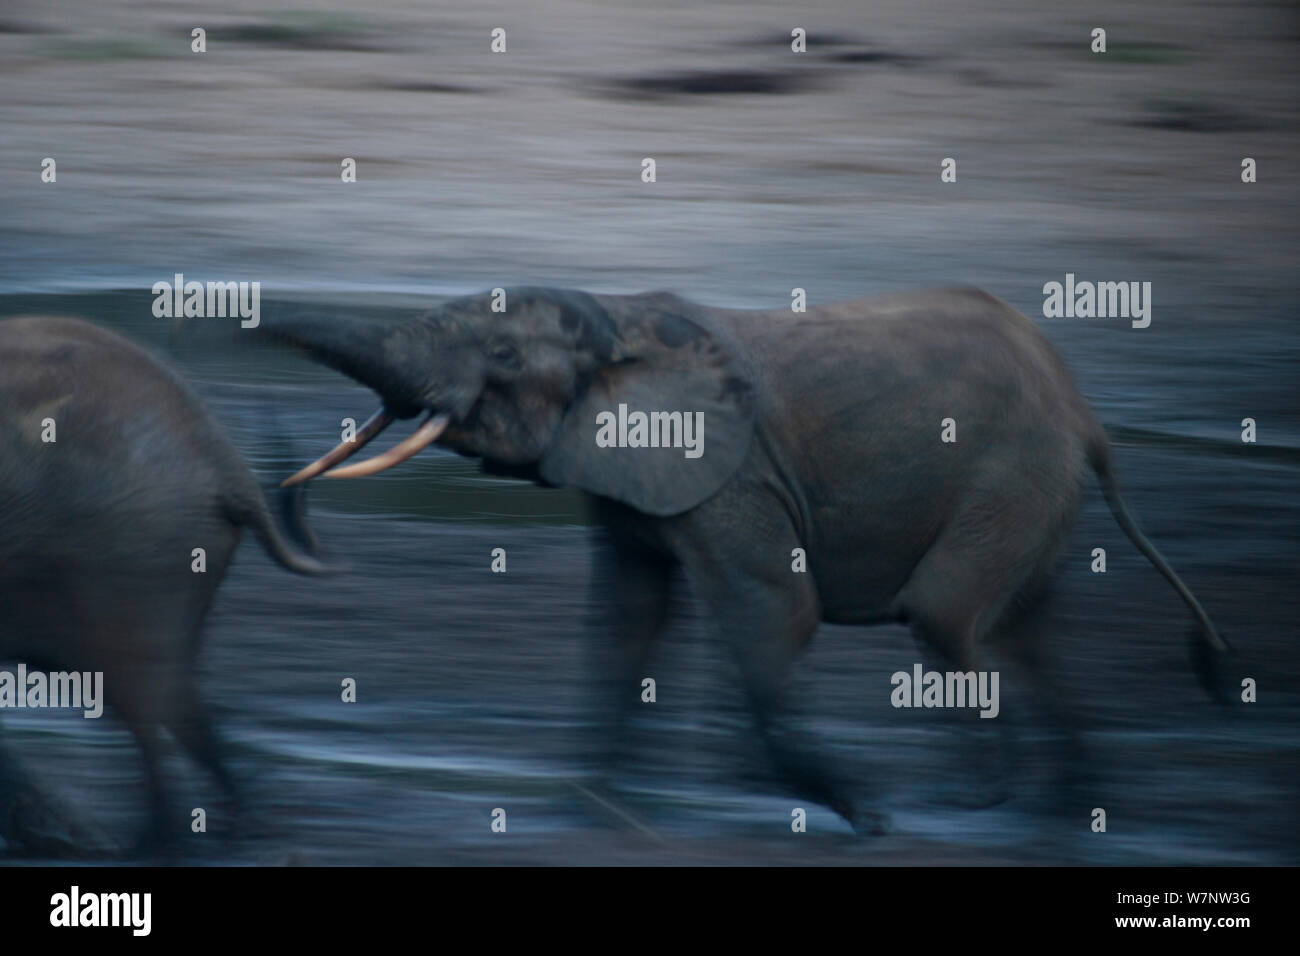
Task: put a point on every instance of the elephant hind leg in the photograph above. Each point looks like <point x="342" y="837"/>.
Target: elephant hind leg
<point x="1023" y="634"/>
<point x="191" y="724"/>
<point x="147" y="709"/>
<point x="991" y="558"/>
<point x="980" y="582"/>
<point x="141" y="694"/>
<point x="160" y="827"/>
<point x="951" y="646"/>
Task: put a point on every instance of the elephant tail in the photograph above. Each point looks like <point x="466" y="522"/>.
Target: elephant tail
<point x="251" y="511"/>
<point x="1208" y="647"/>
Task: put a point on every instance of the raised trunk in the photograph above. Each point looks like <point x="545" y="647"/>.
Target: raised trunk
<point x="381" y="355"/>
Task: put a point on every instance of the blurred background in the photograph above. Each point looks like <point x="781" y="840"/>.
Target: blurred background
<point x="775" y="170"/>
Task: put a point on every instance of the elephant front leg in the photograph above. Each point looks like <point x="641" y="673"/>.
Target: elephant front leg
<point x="764" y="656"/>
<point x="765" y="616"/>
<point x="630" y="592"/>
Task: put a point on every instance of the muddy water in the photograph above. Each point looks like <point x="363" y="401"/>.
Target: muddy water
<point x="773" y="172"/>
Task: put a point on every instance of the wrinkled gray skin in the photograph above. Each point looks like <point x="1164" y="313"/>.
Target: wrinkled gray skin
<point x="821" y="432"/>
<point x="96" y="534"/>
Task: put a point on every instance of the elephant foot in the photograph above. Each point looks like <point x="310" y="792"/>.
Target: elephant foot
<point x="160" y="837"/>
<point x="153" y="843"/>
<point x="869" y="823"/>
<point x="808" y="776"/>
<point x="1071" y="798"/>
<point x="970" y="796"/>
<point x="865" y="822"/>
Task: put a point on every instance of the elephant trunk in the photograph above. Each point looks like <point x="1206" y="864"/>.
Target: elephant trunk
<point x="381" y="356"/>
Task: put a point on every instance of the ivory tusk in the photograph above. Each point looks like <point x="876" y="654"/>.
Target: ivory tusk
<point x="426" y="434"/>
<point x="344" y="450"/>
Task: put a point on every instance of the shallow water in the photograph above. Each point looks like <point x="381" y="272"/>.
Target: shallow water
<point x="476" y="173"/>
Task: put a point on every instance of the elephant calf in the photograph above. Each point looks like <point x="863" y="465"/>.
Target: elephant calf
<point x="112" y="473"/>
<point x="822" y="432"/>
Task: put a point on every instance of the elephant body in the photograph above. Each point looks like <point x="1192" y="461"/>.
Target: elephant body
<point x="100" y="527"/>
<point x="823" y="431"/>
<point x="896" y="524"/>
<point x="837" y="460"/>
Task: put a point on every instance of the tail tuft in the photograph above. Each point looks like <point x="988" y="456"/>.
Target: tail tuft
<point x="1209" y="650"/>
<point x="1212" y="667"/>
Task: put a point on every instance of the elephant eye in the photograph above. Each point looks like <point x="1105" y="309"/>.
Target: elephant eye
<point x="505" y="354"/>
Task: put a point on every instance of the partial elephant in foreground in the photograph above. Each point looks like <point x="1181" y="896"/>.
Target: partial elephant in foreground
<point x="722" y="441"/>
<point x="112" y="473"/>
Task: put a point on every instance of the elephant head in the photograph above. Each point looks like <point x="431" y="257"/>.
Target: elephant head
<point x="524" y="389"/>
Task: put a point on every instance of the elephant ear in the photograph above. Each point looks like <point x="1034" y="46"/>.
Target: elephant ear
<point x="655" y="353"/>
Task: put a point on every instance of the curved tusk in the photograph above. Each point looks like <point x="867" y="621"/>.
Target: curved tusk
<point x="426" y="434"/>
<point x="344" y="450"/>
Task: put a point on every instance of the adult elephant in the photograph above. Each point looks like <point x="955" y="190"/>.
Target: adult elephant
<point x="112" y="475"/>
<point x="821" y="431"/>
